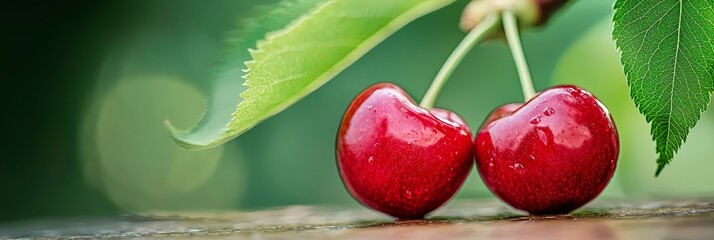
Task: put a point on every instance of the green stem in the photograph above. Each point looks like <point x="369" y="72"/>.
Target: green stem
<point x="477" y="34"/>
<point x="514" y="42"/>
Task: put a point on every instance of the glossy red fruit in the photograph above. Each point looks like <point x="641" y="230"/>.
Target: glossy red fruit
<point x="398" y="158"/>
<point x="551" y="155"/>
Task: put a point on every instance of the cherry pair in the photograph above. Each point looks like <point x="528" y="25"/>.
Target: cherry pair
<point x="550" y="155"/>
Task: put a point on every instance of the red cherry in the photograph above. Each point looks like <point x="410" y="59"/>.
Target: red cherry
<point x="551" y="155"/>
<point x="398" y="158"/>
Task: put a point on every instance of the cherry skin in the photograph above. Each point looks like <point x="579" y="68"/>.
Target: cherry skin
<point x="551" y="155"/>
<point x="398" y="158"/>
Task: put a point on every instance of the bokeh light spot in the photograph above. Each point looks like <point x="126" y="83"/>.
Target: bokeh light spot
<point x="141" y="167"/>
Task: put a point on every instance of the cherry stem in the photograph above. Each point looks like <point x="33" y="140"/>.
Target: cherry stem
<point x="474" y="36"/>
<point x="514" y="42"/>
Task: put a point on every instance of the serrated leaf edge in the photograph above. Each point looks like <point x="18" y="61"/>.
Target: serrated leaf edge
<point x="360" y="50"/>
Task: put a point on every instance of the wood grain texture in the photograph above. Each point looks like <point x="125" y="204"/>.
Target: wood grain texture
<point x="681" y="219"/>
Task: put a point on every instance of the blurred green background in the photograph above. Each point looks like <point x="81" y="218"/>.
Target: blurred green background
<point x="88" y="85"/>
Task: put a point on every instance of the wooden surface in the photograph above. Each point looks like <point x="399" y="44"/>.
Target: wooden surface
<point x="676" y="219"/>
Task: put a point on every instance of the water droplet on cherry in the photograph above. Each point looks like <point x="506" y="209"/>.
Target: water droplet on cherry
<point x="536" y="119"/>
<point x="542" y="136"/>
<point x="518" y="168"/>
<point x="549" y="111"/>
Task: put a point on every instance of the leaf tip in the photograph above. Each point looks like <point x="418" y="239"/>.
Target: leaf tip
<point x="174" y="133"/>
<point x="178" y="136"/>
<point x="660" y="167"/>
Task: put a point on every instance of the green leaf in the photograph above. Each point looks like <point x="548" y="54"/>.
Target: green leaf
<point x="227" y="82"/>
<point x="294" y="61"/>
<point x="667" y="49"/>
